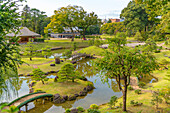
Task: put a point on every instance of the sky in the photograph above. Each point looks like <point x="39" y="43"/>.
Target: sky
<point x="103" y="8"/>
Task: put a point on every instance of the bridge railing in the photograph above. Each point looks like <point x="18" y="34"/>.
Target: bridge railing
<point x="34" y="98"/>
<point x="24" y="96"/>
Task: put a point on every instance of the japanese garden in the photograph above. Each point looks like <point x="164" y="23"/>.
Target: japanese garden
<point x="75" y="61"/>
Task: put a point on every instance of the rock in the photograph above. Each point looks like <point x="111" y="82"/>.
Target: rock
<point x="32" y="84"/>
<point x="87" y="56"/>
<point x="89" y="88"/>
<point x="28" y="75"/>
<point x="72" y="97"/>
<point x="57" y="99"/>
<point x="73" y="62"/>
<point x="31" y="90"/>
<point x="52" y="64"/>
<point x="74" y="110"/>
<point x="56" y="71"/>
<point x="57" y="60"/>
<point x="47" y="73"/>
<point x="76" y="95"/>
<point x="165" y="55"/>
<point x="82" y="93"/>
<point x="85" y="89"/>
<point x="169" y="57"/>
<point x="62" y="60"/>
<point x="52" y="71"/>
<point x="65" y="97"/>
<point x="21" y="75"/>
<point x="55" y="79"/>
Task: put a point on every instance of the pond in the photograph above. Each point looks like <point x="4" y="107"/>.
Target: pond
<point x="100" y="95"/>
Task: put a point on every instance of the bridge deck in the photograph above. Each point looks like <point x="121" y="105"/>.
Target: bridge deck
<point x="17" y="103"/>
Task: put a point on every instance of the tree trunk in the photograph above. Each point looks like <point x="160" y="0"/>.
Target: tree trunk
<point x="30" y="59"/>
<point x="42" y="81"/>
<point x="84" y="35"/>
<point x="124" y="94"/>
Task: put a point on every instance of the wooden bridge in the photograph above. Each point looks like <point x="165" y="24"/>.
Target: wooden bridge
<point x="24" y="100"/>
<point x="78" y="55"/>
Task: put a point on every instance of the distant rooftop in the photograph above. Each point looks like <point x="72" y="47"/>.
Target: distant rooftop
<point x="24" y="31"/>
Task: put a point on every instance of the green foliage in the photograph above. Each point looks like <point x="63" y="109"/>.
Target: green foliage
<point x="90" y="84"/>
<point x="97" y="43"/>
<point x="38" y="75"/>
<point x="135" y="17"/>
<point x="138" y="91"/>
<point x="141" y="84"/>
<point x="138" y="36"/>
<point x="74" y="46"/>
<point x="112" y="102"/>
<point x="112" y="28"/>
<point x="80" y="109"/>
<point x="67" y="110"/>
<point x="94" y="106"/>
<point x="92" y="111"/>
<point x="156" y="99"/>
<point x="67" y="54"/>
<point x="30" y="50"/>
<point x="130" y="88"/>
<point x="165" y="93"/>
<point x="164" y="62"/>
<point x="9" y="52"/>
<point x="46" y="51"/>
<point x="123" y="62"/>
<point x="34" y="19"/>
<point x="132" y="102"/>
<point x="67" y="73"/>
<point x="11" y="109"/>
<point x="93" y="29"/>
<point x="150" y="45"/>
<point x="91" y="42"/>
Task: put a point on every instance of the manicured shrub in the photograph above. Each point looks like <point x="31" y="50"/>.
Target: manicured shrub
<point x="138" y="91"/>
<point x="67" y="111"/>
<point x="112" y="101"/>
<point x="141" y="84"/>
<point x="130" y="88"/>
<point x="80" y="109"/>
<point x="97" y="43"/>
<point x="90" y="84"/>
<point x="94" y="106"/>
<point x="93" y="111"/>
<point x="156" y="99"/>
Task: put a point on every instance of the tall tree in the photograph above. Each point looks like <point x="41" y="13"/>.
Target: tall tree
<point x="72" y="17"/>
<point x="9" y="51"/>
<point x="135" y="17"/>
<point x="26" y="17"/>
<point x="122" y="62"/>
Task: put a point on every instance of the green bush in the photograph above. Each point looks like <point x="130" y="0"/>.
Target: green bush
<point x="94" y="106"/>
<point x="97" y="43"/>
<point x="138" y="91"/>
<point x="93" y="111"/>
<point x="38" y="40"/>
<point x="112" y="101"/>
<point x="80" y="109"/>
<point x="132" y="102"/>
<point x="90" y="84"/>
<point x="141" y="84"/>
<point x="91" y="42"/>
<point x="130" y="88"/>
<point x="67" y="111"/>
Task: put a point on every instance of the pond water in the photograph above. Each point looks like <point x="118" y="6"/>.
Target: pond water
<point x="100" y="95"/>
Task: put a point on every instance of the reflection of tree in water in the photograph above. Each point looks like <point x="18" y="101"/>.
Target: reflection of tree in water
<point x="84" y="67"/>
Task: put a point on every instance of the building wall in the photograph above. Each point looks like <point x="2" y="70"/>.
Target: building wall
<point x="115" y="20"/>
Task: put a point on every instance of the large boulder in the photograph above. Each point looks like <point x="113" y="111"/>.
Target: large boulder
<point x="74" y="110"/>
<point x="62" y="60"/>
<point x="89" y="88"/>
<point x="76" y="95"/>
<point x="52" y="71"/>
<point x="65" y="97"/>
<point x="55" y="79"/>
<point x="82" y="93"/>
<point x="57" y="99"/>
<point x="57" y="60"/>
<point x="21" y="75"/>
<point x="72" y="97"/>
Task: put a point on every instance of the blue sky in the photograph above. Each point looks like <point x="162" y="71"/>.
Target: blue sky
<point x="103" y="8"/>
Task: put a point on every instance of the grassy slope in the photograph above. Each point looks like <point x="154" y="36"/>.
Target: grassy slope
<point x="92" y="50"/>
<point x="65" y="88"/>
<point x="25" y="69"/>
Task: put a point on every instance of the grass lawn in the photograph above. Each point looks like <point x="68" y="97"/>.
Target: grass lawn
<point x="53" y="44"/>
<point x="26" y="69"/>
<point x="63" y="88"/>
<point x="160" y="56"/>
<point x="92" y="50"/>
<point x="36" y="60"/>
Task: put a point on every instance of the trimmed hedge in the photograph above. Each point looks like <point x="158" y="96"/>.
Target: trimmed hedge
<point x="38" y="40"/>
<point x="24" y="96"/>
<point x="34" y="98"/>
